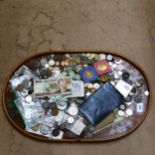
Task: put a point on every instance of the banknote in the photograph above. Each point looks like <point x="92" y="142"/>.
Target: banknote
<point x="53" y="86"/>
<point x="77" y="89"/>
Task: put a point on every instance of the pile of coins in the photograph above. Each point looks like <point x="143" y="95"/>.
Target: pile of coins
<point x="48" y="91"/>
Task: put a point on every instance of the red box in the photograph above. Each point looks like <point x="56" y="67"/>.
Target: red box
<point x="102" y="67"/>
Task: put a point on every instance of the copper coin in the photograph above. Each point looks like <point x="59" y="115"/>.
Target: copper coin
<point x="54" y="111"/>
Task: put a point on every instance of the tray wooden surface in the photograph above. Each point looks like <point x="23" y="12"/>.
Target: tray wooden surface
<point x="112" y="132"/>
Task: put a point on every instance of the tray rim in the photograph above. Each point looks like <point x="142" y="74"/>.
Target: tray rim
<point x="36" y="137"/>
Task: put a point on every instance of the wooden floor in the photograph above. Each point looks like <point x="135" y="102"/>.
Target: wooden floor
<point x="29" y="27"/>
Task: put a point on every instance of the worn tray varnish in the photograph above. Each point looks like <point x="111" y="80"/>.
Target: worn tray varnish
<point x="111" y="132"/>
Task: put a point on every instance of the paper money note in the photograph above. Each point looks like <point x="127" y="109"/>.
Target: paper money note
<point x="77" y="89"/>
<point x="51" y="87"/>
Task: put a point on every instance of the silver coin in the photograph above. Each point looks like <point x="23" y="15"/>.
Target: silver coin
<point x="118" y="61"/>
<point x="43" y="61"/>
<point x="121" y="113"/>
<point x="129" y="112"/>
<point x="109" y="57"/>
<point x="146" y="93"/>
<point x="44" y="129"/>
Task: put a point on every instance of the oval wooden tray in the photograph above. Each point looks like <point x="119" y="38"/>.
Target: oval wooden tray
<point x="111" y="132"/>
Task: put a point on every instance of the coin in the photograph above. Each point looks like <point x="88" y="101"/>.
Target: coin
<point x="28" y="98"/>
<point x="109" y="57"/>
<point x="45" y="105"/>
<point x="25" y="83"/>
<point x="138" y="98"/>
<point x="54" y="111"/>
<point x="55" y="132"/>
<point x="20" y="87"/>
<point x="96" y="85"/>
<point x="73" y="109"/>
<point x="129" y="112"/>
<point x="51" y="62"/>
<point x="146" y="93"/>
<point x="122" y="107"/>
<point x="89" y="85"/>
<point x="121" y="113"/>
<point x="44" y="129"/>
<point x="70" y="120"/>
<point x="43" y="61"/>
<point x="103" y="78"/>
<point x="125" y="75"/>
<point x="35" y="128"/>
